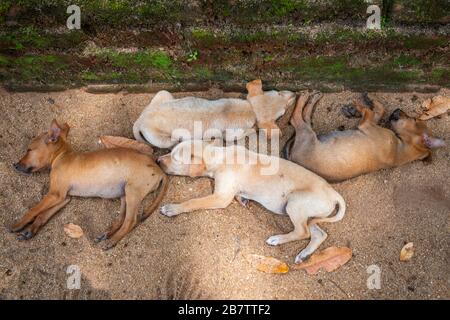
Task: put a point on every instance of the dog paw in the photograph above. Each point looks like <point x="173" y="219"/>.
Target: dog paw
<point x="350" y="111"/>
<point x="273" y="241"/>
<point x="170" y="209"/>
<point x="302" y="257"/>
<point x="316" y="95"/>
<point x="101" y="238"/>
<point x="25" y="235"/>
<point x="107" y="245"/>
<point x="243" y="201"/>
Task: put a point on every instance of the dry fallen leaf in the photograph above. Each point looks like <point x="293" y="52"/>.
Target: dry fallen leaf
<point x="434" y="107"/>
<point x="407" y="252"/>
<point x="73" y="231"/>
<point x="330" y="259"/>
<point x="267" y="264"/>
<point x="121" y="142"/>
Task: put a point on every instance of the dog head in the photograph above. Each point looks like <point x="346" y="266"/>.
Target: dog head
<point x="42" y="149"/>
<point x="186" y="159"/>
<point x="414" y="132"/>
<point x="268" y="105"/>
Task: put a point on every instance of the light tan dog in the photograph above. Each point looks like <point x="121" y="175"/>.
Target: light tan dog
<point x="346" y="154"/>
<point x="166" y="121"/>
<point x="287" y="189"/>
<point x="107" y="173"/>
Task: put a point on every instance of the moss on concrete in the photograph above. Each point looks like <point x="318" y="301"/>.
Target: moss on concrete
<point x="180" y="41"/>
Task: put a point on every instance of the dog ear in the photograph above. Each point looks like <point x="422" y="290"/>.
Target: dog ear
<point x="65" y="128"/>
<point x="431" y="142"/>
<point x="254" y="88"/>
<point x="54" y="133"/>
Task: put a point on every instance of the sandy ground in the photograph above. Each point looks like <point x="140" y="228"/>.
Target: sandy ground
<point x="202" y="254"/>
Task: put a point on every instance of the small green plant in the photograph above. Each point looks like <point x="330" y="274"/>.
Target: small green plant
<point x="193" y="56"/>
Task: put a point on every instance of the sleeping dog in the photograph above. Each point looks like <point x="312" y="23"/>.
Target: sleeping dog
<point x="281" y="186"/>
<point x="342" y="155"/>
<point x="166" y="120"/>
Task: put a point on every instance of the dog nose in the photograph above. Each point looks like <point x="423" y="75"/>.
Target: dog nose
<point x="395" y="115"/>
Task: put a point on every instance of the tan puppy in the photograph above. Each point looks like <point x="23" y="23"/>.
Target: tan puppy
<point x="279" y="185"/>
<point x="107" y="173"/>
<point x="166" y="121"/>
<point x="341" y="155"/>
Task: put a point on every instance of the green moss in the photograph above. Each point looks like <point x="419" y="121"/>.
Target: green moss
<point x="281" y="8"/>
<point x="440" y="75"/>
<point x="320" y="67"/>
<point x="204" y="37"/>
<point x="26" y="37"/>
<point x="157" y="59"/>
<point x="4" y="61"/>
<point x="169" y="11"/>
<point x="4" y="8"/>
<point x="89" y="76"/>
<point x="423" y="42"/>
<point x="38" y="67"/>
<point x="406" y="61"/>
<point x="203" y="73"/>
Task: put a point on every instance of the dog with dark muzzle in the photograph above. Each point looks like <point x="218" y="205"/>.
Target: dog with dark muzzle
<point x="342" y="155"/>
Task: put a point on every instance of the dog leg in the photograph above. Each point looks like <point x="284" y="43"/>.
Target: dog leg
<point x="367" y="115"/>
<point x="297" y="114"/>
<point x="318" y="236"/>
<point x="223" y="195"/>
<point x="40" y="221"/>
<point x="378" y="110"/>
<point x="308" y="110"/>
<point x="133" y="200"/>
<point x="294" y="210"/>
<point x="116" y="223"/>
<point x="50" y="200"/>
<point x="214" y="201"/>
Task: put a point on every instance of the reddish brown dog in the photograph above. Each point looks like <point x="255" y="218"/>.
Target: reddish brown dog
<point x="106" y="173"/>
<point x="346" y="154"/>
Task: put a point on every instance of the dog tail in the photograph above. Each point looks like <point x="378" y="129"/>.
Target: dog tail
<point x="337" y="217"/>
<point x="164" y="184"/>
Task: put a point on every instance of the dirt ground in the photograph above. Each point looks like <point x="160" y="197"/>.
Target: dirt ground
<point x="203" y="254"/>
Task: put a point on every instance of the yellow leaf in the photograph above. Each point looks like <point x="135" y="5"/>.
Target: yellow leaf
<point x="407" y="252"/>
<point x="329" y="259"/>
<point x="434" y="107"/>
<point x="267" y="264"/>
<point x="73" y="231"/>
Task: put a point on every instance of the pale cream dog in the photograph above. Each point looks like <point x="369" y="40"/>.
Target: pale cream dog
<point x="166" y="120"/>
<point x="288" y="189"/>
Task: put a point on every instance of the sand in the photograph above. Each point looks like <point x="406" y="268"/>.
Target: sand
<point x="203" y="254"/>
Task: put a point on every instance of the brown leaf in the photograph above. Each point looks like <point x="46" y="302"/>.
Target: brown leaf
<point x="73" y="231"/>
<point x="330" y="259"/>
<point x="121" y="142"/>
<point x="434" y="107"/>
<point x="267" y="264"/>
<point x="407" y="252"/>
